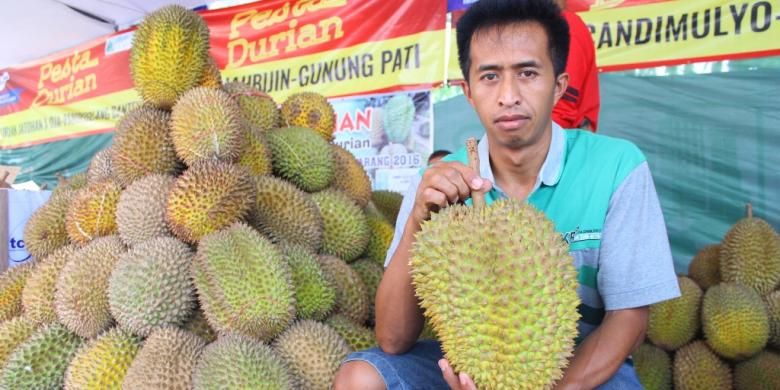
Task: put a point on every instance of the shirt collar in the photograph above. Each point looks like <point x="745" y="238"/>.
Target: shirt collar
<point x="550" y="173"/>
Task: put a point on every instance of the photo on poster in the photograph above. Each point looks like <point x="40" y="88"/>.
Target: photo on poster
<point x="389" y="134"/>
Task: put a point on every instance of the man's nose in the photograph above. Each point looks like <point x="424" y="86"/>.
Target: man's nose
<point x="509" y="93"/>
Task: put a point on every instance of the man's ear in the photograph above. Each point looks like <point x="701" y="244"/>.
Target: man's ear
<point x="561" y="83"/>
<point x="467" y="92"/>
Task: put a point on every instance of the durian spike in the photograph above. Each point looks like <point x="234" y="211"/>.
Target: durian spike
<point x="478" y="197"/>
<point x="749" y="210"/>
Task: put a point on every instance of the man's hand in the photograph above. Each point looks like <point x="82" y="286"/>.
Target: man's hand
<point x="456" y="381"/>
<point x="444" y="184"/>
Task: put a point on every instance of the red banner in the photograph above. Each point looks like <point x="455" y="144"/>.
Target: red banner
<point x="334" y="47"/>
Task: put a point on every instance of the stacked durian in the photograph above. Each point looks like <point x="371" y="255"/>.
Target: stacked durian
<point x="724" y="331"/>
<point x="219" y="242"/>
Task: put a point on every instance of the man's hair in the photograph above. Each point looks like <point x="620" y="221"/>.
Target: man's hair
<point x="500" y="13"/>
<point x="438" y="153"/>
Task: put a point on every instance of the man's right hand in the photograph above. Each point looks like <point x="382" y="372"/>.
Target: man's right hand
<point x="444" y="184"/>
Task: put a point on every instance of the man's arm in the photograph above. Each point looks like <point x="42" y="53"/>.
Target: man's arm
<point x="399" y="318"/>
<point x="605" y="349"/>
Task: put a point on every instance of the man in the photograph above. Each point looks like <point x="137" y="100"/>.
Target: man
<point x="579" y="105"/>
<point x="437" y="155"/>
<point x="513" y="56"/>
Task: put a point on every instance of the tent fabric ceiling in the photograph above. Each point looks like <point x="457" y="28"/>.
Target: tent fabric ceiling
<point x="33" y="29"/>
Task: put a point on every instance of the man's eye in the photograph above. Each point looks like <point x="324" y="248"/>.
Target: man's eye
<point x="489" y="76"/>
<point x="527" y="73"/>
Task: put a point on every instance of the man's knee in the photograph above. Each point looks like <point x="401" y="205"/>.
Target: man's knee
<point x="357" y="375"/>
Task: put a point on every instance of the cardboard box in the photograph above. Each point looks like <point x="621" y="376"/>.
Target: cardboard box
<point x="16" y="207"/>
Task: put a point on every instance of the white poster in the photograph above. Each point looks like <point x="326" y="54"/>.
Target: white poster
<point x="390" y="134"/>
<point x="21" y="205"/>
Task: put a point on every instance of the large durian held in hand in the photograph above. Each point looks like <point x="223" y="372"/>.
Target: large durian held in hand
<point x="750" y="254"/>
<point x="499" y="288"/>
<point x="170" y="54"/>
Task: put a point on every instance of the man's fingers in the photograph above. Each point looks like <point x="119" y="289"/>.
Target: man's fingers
<point x="449" y="376"/>
<point x="465" y="382"/>
<point x="434" y="199"/>
<point x="448" y="187"/>
<point x="463" y="188"/>
<point x="471" y="177"/>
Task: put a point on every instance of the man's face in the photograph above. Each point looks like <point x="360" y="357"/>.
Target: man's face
<point x="512" y="83"/>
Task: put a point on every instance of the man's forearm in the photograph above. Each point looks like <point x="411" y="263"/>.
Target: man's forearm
<point x="399" y="318"/>
<point x="605" y="349"/>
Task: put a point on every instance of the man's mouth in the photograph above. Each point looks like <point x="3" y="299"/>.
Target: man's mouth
<point x="508" y="122"/>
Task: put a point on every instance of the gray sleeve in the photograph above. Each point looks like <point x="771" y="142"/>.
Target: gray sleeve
<point x="403" y="216"/>
<point x="635" y="261"/>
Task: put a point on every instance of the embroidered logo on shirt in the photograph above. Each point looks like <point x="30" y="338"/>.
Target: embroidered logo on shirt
<point x="578" y="235"/>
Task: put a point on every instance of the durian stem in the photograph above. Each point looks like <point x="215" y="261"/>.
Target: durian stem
<point x="478" y="197"/>
<point x="749" y="210"/>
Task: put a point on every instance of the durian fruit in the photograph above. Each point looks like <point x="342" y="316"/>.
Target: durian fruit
<point x="315" y="296"/>
<point x="207" y="197"/>
<point x="311" y="110"/>
<point x="14" y="332"/>
<point x="92" y="212"/>
<point x="238" y="362"/>
<point x="166" y="361"/>
<point x="761" y="372"/>
<point x="69" y="186"/>
<point x="11" y="286"/>
<point x="704" y="269"/>
<point x="388" y="203"/>
<point x="312" y="352"/>
<point x="212" y="77"/>
<point x="351" y="178"/>
<point x="286" y="214"/>
<point x="371" y="274"/>
<point x="38" y="293"/>
<point x="244" y="283"/>
<point x="750" y="254"/>
<point x="500" y="288"/>
<point x="357" y="336"/>
<point x="142" y="145"/>
<point x="351" y="295"/>
<point x="675" y="322"/>
<point x="381" y="235"/>
<point x="397" y="118"/>
<point x="169" y="54"/>
<point x="696" y="367"/>
<point x="653" y="367"/>
<point x="198" y="325"/>
<point x="346" y="232"/>
<point x="100" y="167"/>
<point x="257" y="107"/>
<point x="81" y="292"/>
<point x="206" y="124"/>
<point x="303" y="158"/>
<point x="773" y="309"/>
<point x="140" y="212"/>
<point x="45" y="231"/>
<point x="102" y="363"/>
<point x="41" y="361"/>
<point x="151" y="286"/>
<point x="735" y="321"/>
<point x="255" y="154"/>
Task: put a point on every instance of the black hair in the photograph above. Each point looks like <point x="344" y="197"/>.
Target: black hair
<point x="489" y="13"/>
<point x="438" y="153"/>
